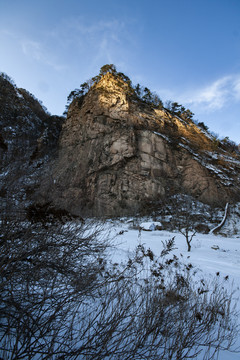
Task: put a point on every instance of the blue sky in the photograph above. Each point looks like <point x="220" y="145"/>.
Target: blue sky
<point x="186" y="50"/>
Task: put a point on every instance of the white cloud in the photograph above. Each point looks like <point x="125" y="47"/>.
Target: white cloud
<point x="215" y="95"/>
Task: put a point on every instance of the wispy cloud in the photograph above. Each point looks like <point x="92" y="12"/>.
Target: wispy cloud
<point x="32" y="48"/>
<point x="101" y="41"/>
<point x="236" y="87"/>
<point x="37" y="51"/>
<point x="77" y="44"/>
<point x="216" y="95"/>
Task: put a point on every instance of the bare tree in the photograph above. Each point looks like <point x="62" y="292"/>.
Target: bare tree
<point x="186" y="227"/>
<point x="183" y="211"/>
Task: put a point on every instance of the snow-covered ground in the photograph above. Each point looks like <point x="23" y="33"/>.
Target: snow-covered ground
<point x="210" y="254"/>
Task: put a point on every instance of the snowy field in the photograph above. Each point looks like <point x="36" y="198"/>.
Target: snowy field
<point x="213" y="260"/>
<point x="210" y="255"/>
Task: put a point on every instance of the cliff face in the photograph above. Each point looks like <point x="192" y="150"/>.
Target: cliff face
<point x="117" y="156"/>
<point x="28" y="139"/>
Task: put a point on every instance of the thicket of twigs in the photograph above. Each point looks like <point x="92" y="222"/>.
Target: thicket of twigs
<point x="61" y="298"/>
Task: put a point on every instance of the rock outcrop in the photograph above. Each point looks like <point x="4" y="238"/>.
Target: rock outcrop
<point x="28" y="139"/>
<point x="118" y="155"/>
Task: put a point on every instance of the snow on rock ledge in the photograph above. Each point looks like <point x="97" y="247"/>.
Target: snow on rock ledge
<point x="150" y="226"/>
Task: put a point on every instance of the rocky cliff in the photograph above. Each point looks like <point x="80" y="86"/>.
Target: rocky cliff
<point x="28" y="140"/>
<point x="118" y="155"/>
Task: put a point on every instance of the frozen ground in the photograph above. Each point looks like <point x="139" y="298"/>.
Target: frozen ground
<point x="210" y="254"/>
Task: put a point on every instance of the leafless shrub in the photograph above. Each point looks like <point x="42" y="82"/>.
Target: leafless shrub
<point x="43" y="270"/>
<point x="62" y="299"/>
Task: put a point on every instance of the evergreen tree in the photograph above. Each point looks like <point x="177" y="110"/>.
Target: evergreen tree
<point x="147" y="95"/>
<point x="108" y="68"/>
